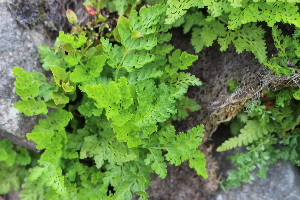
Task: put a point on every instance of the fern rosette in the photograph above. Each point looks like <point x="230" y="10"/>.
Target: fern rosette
<point x="124" y="94"/>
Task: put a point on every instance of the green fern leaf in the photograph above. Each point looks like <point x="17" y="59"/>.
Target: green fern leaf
<point x="252" y="131"/>
<point x="59" y="98"/>
<point x="52" y="176"/>
<point x="180" y="61"/>
<point x="62" y="78"/>
<point x="96" y="64"/>
<point x="216" y="9"/>
<point x="116" y="99"/>
<point x="80" y="75"/>
<point x="154" y="104"/>
<point x="22" y="157"/>
<point x="147" y="20"/>
<point x="31" y="107"/>
<point x="8" y="156"/>
<point x="270" y="12"/>
<point x="3" y="155"/>
<point x="113" y="152"/>
<point x="45" y="130"/>
<point x="181" y="82"/>
<point x="120" y="6"/>
<point x="207" y="34"/>
<point x="88" y="108"/>
<point x="113" y="53"/>
<point x="184" y="106"/>
<point x="191" y="19"/>
<point x="145" y="73"/>
<point x="249" y="38"/>
<point x="48" y="57"/>
<point x="132" y="61"/>
<point x="198" y="162"/>
<point x="26" y="87"/>
<point x="123" y="191"/>
<point x="75" y="42"/>
<point x="179" y="7"/>
<point x="156" y="160"/>
<point x="32" y="190"/>
<point x="183" y="143"/>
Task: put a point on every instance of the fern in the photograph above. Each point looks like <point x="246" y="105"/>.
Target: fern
<point x="255" y="160"/>
<point x="14" y="161"/>
<point x="287" y="59"/>
<point x="261" y="122"/>
<point x="252" y="131"/>
<point x="235" y="22"/>
<point x="256" y="131"/>
<point x="179" y="7"/>
<point x="291" y="150"/>
<point x="28" y="89"/>
<point x="123" y="92"/>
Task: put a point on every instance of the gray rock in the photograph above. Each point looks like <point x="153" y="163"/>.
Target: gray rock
<point x="282" y="181"/>
<point x="24" y="25"/>
<point x="18" y="47"/>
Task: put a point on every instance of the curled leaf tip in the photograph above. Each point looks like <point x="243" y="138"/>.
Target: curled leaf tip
<point x="91" y="9"/>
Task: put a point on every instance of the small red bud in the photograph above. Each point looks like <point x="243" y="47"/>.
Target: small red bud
<point x="91" y="9"/>
<point x="74" y="28"/>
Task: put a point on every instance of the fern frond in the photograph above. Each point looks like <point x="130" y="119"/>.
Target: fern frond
<point x="251" y="132"/>
<point x="179" y="7"/>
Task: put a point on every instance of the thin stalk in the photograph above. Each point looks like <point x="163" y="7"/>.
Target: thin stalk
<point x="122" y="60"/>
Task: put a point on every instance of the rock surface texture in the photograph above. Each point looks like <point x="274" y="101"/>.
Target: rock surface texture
<point x="282" y="183"/>
<point x="18" y="47"/>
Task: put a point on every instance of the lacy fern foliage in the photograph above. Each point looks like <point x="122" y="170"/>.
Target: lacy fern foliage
<point x="14" y="161"/>
<point x="113" y="101"/>
<point x="233" y="22"/>
<point x="274" y="119"/>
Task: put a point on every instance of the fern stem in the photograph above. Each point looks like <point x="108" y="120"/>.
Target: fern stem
<point x="223" y="19"/>
<point x="117" y="74"/>
<point x="120" y="65"/>
<point x="122" y="60"/>
<point x="263" y="143"/>
<point x="81" y="63"/>
<point x="157" y="148"/>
